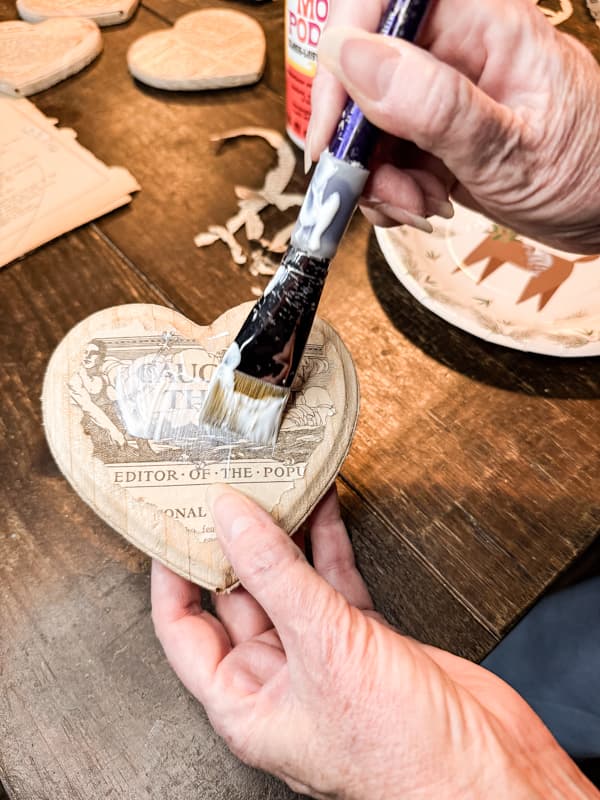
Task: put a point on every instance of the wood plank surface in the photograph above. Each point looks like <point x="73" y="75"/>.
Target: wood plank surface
<point x="477" y="458"/>
<point x="89" y="707"/>
<point x="471" y="485"/>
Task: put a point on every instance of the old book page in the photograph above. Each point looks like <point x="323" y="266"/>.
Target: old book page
<point x="49" y="183"/>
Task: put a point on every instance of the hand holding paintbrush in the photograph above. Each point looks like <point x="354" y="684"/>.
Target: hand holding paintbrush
<point x="249" y="390"/>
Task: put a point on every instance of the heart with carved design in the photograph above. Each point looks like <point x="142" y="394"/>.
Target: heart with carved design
<point x="214" y="48"/>
<point x="34" y="57"/>
<point x="121" y="400"/>
<point x="103" y="12"/>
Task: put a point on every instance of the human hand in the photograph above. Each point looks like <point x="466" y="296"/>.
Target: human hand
<point x="502" y="112"/>
<point x="304" y="679"/>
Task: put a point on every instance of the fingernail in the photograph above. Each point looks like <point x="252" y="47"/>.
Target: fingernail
<point x="230" y="510"/>
<point x="400" y="215"/>
<point x="439" y="207"/>
<point x="406" y="218"/>
<point x="307" y="156"/>
<point x="367" y="61"/>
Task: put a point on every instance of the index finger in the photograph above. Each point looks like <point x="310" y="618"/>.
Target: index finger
<point x="328" y="95"/>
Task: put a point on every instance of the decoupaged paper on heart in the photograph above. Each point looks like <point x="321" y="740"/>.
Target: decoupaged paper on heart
<point x="122" y="398"/>
<point x="213" y="48"/>
<point x="34" y="57"/>
<point x="103" y="12"/>
<point x="49" y="183"/>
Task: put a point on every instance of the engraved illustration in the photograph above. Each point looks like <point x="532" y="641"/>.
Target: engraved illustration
<point x="140" y="398"/>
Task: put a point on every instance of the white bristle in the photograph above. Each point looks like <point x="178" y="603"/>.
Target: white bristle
<point x="246" y="406"/>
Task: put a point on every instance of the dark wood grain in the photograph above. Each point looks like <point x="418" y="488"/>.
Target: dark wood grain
<point x="89" y="706"/>
<point x="471" y="485"/>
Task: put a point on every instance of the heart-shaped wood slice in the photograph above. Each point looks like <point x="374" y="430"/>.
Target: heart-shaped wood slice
<point x="121" y="399"/>
<point x="213" y="48"/>
<point x="104" y="12"/>
<point x="34" y="57"/>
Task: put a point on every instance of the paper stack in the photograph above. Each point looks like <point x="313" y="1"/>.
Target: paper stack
<point x="49" y="183"/>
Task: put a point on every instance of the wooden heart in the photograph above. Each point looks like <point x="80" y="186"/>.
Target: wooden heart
<point x="120" y="401"/>
<point x="104" y="12"/>
<point x="34" y="57"/>
<point x="209" y="49"/>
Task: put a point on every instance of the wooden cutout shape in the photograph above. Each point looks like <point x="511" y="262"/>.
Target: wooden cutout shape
<point x="151" y="366"/>
<point x="213" y="48"/>
<point x="34" y="57"/>
<point x="103" y="12"/>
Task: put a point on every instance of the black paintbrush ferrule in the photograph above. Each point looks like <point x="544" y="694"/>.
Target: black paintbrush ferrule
<point x="273" y="337"/>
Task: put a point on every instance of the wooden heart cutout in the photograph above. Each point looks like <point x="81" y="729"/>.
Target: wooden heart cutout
<point x="209" y="49"/>
<point x="103" y="12"/>
<point x="34" y="57"/>
<point x="120" y="401"/>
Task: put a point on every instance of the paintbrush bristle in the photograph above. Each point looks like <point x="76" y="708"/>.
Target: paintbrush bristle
<point x="252" y="408"/>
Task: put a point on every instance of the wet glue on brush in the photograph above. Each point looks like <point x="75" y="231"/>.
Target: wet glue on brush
<point x="250" y="388"/>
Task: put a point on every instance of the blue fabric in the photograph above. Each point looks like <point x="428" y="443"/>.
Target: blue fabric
<point x="552" y="659"/>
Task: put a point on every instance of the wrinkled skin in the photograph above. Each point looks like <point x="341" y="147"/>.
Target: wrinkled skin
<point x="304" y="679"/>
<point x="502" y="110"/>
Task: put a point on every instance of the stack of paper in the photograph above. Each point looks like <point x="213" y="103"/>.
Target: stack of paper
<point x="49" y="184"/>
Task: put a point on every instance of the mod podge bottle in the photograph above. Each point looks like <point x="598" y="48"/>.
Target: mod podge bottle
<point x="304" y="22"/>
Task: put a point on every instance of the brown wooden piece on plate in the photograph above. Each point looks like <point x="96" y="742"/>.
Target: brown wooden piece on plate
<point x="121" y="398"/>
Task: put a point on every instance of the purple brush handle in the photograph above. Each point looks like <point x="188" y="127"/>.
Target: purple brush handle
<point x="355" y="136"/>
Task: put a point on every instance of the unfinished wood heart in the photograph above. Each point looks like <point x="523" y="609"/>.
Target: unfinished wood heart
<point x="34" y="57"/>
<point x="121" y="400"/>
<point x="209" y="49"/>
<point x="104" y="12"/>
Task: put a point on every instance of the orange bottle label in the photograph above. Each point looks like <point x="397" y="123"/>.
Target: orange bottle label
<point x="304" y="22"/>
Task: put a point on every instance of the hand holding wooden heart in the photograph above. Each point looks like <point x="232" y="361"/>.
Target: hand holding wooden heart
<point x="121" y="400"/>
<point x="103" y="12"/>
<point x="34" y="57"/>
<point x="209" y="49"/>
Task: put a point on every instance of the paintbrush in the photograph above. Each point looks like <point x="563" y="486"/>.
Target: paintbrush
<point x="250" y="388"/>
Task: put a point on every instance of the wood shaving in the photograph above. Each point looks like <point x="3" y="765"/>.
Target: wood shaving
<point x="261" y="264"/>
<point x="594" y="8"/>
<point x="557" y="17"/>
<point x="279" y="242"/>
<point x="251" y="202"/>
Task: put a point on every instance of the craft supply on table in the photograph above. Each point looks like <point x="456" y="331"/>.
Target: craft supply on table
<point x="121" y="401"/>
<point x="49" y="183"/>
<point x="34" y="57"/>
<point x="304" y="23"/>
<point x="556" y="15"/>
<point x="214" y="48"/>
<point x="248" y="392"/>
<point x="103" y="12"/>
<point x="251" y="203"/>
<point x="499" y="285"/>
<point x="594" y="9"/>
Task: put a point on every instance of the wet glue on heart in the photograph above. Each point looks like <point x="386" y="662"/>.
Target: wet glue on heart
<point x="304" y="23"/>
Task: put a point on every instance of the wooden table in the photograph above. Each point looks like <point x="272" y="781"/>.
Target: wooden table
<point x="471" y="485"/>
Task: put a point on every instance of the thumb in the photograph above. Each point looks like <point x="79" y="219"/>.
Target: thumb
<point x="268" y="563"/>
<point x="409" y="93"/>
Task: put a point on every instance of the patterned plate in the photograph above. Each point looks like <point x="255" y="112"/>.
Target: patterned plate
<point x="500" y="286"/>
